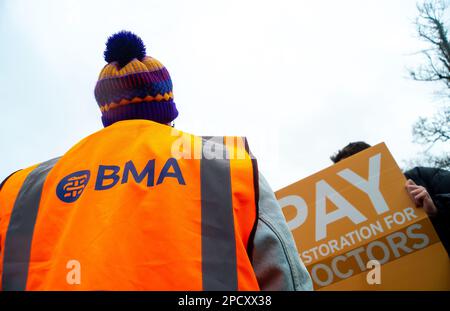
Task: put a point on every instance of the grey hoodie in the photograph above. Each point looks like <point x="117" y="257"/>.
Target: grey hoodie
<point x="276" y="262"/>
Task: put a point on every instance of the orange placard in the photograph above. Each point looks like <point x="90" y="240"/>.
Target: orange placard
<point x="357" y="229"/>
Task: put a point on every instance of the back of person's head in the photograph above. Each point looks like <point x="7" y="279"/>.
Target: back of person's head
<point x="133" y="85"/>
<point x="349" y="150"/>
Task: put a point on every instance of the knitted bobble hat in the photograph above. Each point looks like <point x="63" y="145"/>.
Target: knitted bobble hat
<point x="133" y="85"/>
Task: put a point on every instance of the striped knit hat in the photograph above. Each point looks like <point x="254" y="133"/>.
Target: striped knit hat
<point x="133" y="85"/>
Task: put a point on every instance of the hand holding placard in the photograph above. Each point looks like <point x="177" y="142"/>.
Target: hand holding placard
<point x="356" y="211"/>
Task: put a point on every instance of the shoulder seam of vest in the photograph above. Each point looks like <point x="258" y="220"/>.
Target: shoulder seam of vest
<point x="4" y="181"/>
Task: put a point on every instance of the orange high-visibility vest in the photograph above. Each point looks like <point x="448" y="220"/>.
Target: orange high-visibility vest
<point x="135" y="206"/>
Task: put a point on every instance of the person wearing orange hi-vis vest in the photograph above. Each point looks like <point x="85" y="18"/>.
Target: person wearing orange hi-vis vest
<point x="139" y="205"/>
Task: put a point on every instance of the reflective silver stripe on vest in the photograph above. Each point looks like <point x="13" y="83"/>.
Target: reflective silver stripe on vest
<point x="21" y="226"/>
<point x="219" y="264"/>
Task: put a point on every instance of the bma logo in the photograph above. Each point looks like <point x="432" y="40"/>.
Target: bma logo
<point x="71" y="187"/>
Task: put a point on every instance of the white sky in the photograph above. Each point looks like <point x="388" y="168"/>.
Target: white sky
<point x="300" y="79"/>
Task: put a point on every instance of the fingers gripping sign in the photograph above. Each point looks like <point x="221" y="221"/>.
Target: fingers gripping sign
<point x="421" y="197"/>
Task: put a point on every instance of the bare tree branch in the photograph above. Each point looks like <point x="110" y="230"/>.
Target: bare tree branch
<point x="432" y="29"/>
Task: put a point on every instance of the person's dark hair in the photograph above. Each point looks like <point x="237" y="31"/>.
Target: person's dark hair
<point x="349" y="150"/>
